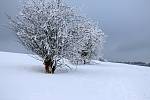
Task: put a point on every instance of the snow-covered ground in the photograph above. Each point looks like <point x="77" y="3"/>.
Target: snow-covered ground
<point x="23" y="78"/>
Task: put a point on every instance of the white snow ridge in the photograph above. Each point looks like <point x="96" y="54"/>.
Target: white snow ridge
<point x="23" y="78"/>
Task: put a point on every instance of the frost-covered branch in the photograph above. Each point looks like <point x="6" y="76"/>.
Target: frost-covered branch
<point x="54" y="31"/>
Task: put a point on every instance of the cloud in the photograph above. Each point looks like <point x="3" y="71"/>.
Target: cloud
<point x="125" y="22"/>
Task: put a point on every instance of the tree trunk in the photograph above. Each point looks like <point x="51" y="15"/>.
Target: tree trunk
<point x="53" y="69"/>
<point x="49" y="66"/>
<point x="84" y="61"/>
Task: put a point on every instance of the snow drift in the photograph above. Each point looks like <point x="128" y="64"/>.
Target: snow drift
<point x="23" y="78"/>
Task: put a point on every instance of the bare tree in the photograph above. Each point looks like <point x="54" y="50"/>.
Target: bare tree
<point x="54" y="31"/>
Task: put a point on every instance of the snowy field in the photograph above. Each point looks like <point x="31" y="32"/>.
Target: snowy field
<point x="23" y="78"/>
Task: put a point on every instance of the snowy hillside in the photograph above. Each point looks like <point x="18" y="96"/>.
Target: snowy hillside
<point x="23" y="78"/>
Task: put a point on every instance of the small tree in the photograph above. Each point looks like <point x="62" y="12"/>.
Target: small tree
<point x="86" y="40"/>
<point x="53" y="31"/>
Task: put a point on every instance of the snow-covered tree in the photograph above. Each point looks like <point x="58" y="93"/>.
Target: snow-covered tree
<point x="53" y="31"/>
<point x="86" y="40"/>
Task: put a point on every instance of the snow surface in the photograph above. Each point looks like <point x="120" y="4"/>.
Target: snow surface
<point x="23" y="78"/>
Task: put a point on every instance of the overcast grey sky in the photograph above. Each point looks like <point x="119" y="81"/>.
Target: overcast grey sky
<point x="125" y="22"/>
